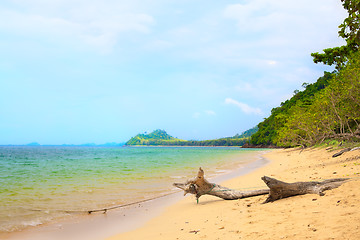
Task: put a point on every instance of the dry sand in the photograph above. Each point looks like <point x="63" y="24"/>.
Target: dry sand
<point x="333" y="216"/>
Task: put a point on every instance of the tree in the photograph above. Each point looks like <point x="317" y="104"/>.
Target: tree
<point x="277" y="128"/>
<point x="333" y="113"/>
<point x="349" y="30"/>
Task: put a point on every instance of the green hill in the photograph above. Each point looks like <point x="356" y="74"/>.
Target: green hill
<point x="269" y="130"/>
<point x="157" y="137"/>
<point x="247" y="133"/>
<point x="328" y="109"/>
<point x="161" y="138"/>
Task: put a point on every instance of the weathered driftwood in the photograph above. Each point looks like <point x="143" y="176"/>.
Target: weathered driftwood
<point x="279" y="189"/>
<point x="341" y="152"/>
<point x="200" y="186"/>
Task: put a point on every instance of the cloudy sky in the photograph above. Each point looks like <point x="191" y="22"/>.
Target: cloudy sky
<point x="80" y="71"/>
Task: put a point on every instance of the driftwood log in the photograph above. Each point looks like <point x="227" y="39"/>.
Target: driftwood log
<point x="341" y="152"/>
<point x="279" y="189"/>
<point x="345" y="150"/>
<point x="200" y="186"/>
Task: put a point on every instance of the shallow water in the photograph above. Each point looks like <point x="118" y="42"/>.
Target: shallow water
<point x="39" y="184"/>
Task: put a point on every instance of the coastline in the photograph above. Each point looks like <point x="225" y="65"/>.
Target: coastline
<point x="333" y="216"/>
<point x="100" y="226"/>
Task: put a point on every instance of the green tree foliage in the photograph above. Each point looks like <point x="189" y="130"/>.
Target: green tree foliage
<point x="327" y="109"/>
<point x="268" y="133"/>
<point x="349" y="30"/>
<point x="334" y="113"/>
<point x="155" y="138"/>
<point x="247" y="133"/>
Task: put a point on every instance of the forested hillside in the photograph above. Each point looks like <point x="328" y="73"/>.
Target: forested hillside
<point x="328" y="109"/>
<point x="269" y="130"/>
<point x="161" y="138"/>
<point x="247" y="133"/>
<point x="157" y="137"/>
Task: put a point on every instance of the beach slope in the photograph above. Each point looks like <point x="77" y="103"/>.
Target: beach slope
<point x="333" y="216"/>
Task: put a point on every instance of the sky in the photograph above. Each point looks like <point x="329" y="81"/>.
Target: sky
<point x="98" y="71"/>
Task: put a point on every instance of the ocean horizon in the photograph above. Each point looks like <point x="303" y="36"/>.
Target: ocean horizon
<point x="39" y="184"/>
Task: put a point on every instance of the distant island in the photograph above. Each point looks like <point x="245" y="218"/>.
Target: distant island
<point x="162" y="138"/>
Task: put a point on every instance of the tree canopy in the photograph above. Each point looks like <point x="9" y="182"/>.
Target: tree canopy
<point x="326" y="110"/>
<point x="269" y="129"/>
<point x="349" y="30"/>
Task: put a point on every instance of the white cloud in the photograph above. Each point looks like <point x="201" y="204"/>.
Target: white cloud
<point x="243" y="106"/>
<point x="272" y="62"/>
<point x="261" y="32"/>
<point x="287" y="21"/>
<point x="210" y="112"/>
<point x="192" y="52"/>
<point x="96" y="25"/>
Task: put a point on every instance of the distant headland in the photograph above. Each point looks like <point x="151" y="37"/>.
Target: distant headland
<point x="162" y="138"/>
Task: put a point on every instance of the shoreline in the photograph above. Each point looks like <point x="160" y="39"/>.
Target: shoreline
<point x="120" y="220"/>
<point x="180" y="146"/>
<point x="333" y="216"/>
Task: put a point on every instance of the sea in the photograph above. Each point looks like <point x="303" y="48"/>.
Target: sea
<point x="39" y="184"/>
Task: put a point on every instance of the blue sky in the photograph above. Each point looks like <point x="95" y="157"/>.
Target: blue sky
<point x="80" y="71"/>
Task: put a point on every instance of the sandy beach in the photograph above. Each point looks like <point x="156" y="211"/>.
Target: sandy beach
<point x="333" y="216"/>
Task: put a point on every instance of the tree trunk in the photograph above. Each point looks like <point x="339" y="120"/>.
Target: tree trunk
<point x="200" y="186"/>
<point x="279" y="189"/>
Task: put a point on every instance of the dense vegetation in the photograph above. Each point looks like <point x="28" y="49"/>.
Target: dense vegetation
<point x="247" y="133"/>
<point x="157" y="137"/>
<point x="161" y="138"/>
<point x="269" y="129"/>
<point x="328" y="109"/>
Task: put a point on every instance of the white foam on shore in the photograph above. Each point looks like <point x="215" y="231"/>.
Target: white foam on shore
<point x="176" y="177"/>
<point x="32" y="223"/>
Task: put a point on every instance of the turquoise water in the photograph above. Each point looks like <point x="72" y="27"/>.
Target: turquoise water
<point x="40" y="184"/>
